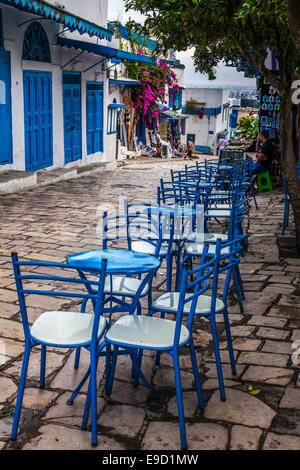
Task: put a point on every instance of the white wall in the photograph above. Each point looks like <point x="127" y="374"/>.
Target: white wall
<point x="207" y="98"/>
<point x="91" y="10"/>
<point x="13" y="36"/>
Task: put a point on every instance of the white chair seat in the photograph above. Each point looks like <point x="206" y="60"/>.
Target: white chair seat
<point x="144" y="247"/>
<point x="146" y="332"/>
<point x="220" y="206"/>
<point x="127" y="286"/>
<point x="217" y="213"/>
<point x="66" y="328"/>
<point x="206" y="237"/>
<point x="197" y="249"/>
<point x="169" y="302"/>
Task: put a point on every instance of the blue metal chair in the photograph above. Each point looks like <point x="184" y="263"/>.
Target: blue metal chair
<point x="136" y="232"/>
<point x="211" y="305"/>
<point x="138" y="333"/>
<point x="167" y="221"/>
<point x="60" y="329"/>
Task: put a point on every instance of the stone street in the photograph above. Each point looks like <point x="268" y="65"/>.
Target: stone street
<point x="49" y="223"/>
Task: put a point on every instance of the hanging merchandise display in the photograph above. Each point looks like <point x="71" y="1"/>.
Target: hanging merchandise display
<point x="269" y="115"/>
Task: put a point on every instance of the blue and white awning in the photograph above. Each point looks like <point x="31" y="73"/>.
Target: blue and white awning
<point x="105" y="51"/>
<point x="54" y="13"/>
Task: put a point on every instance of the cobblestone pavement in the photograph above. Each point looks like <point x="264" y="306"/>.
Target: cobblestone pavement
<point x="49" y="223"/>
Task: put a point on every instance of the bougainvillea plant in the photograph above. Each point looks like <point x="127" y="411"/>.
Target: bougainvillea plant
<point x="157" y="82"/>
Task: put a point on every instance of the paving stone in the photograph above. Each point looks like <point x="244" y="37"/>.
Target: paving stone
<point x="8" y="310"/>
<point x="239" y="408"/>
<point x="68" y="377"/>
<point x="190" y="404"/>
<point x="63" y="438"/>
<point x="285" y="311"/>
<point x="279" y="289"/>
<point x="243" y="344"/>
<point x="163" y="436"/>
<point x="125" y="393"/>
<point x="243" y="438"/>
<point x="5" y="427"/>
<point x="266" y="359"/>
<point x="287" y="421"/>
<point x="251" y="308"/>
<point x="243" y="330"/>
<point x="123" y="420"/>
<point x="281" y="279"/>
<point x="281" y="442"/>
<point x="53" y="362"/>
<point x="269" y="375"/>
<point x="279" y="347"/>
<point x="267" y="321"/>
<point x="291" y="399"/>
<point x="290" y="301"/>
<point x="272" y="333"/>
<point x="7" y="388"/>
<point x="213" y="384"/>
<point x="70" y="415"/>
<point x="165" y="378"/>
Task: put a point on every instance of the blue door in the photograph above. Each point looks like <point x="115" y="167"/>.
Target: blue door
<point x="72" y="116"/>
<point x="38" y="120"/>
<point x="94" y="117"/>
<point x="5" y="109"/>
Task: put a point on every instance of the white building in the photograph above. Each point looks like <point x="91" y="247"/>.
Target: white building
<point x="211" y="112"/>
<point x="63" y="85"/>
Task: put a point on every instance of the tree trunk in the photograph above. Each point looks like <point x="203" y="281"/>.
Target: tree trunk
<point x="294" y="21"/>
<point x="289" y="160"/>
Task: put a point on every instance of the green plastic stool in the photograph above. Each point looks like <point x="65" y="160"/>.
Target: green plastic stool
<point x="268" y="183"/>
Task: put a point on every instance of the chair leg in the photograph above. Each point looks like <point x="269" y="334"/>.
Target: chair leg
<point x="21" y="388"/>
<point x="238" y="291"/>
<point x="110" y="378"/>
<point x="141" y="375"/>
<point x="229" y="341"/>
<point x="43" y="366"/>
<point x="179" y="400"/>
<point x="218" y="357"/>
<point x="196" y="373"/>
<point x="77" y="354"/>
<point x="169" y="273"/>
<point x="93" y="391"/>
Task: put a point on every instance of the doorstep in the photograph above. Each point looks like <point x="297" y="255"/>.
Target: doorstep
<point x="16" y="181"/>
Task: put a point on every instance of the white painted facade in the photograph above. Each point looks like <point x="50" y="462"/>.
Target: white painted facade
<point x="13" y="33"/>
<point x="217" y="107"/>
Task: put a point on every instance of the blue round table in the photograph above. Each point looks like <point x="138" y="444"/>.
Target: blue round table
<point x="118" y="261"/>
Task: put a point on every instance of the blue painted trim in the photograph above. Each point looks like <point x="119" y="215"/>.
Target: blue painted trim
<point x="207" y="111"/>
<point x="69" y="20"/>
<point x="94" y="117"/>
<point x="123" y="82"/>
<point x="70" y="86"/>
<point x="202" y="148"/>
<point x="36" y="119"/>
<point x="104" y="51"/>
<point x="6" y="146"/>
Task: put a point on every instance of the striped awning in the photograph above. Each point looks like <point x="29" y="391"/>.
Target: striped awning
<point x="105" y="51"/>
<point x="55" y="13"/>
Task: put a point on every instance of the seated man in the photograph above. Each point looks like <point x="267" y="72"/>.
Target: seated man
<point x="265" y="156"/>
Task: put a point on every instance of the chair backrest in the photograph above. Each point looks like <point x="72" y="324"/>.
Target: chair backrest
<point x="166" y="220"/>
<point x="193" y="284"/>
<point x="54" y="284"/>
<point x="139" y="227"/>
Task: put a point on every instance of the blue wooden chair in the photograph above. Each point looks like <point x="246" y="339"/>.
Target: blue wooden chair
<point x="138" y="333"/>
<point x="209" y="306"/>
<point x="58" y="328"/>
